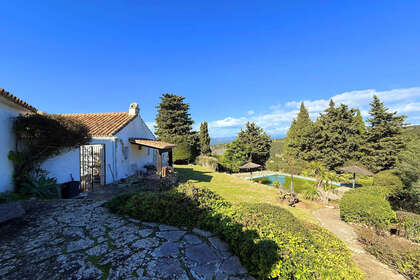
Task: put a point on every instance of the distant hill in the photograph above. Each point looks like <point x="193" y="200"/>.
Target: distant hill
<point x="221" y="140"/>
<point x="412" y="131"/>
<point x="277" y="147"/>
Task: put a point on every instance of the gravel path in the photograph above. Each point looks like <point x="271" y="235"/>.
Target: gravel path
<point x="375" y="270"/>
<point x="79" y="239"/>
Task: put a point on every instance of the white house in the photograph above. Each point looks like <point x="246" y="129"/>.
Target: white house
<point x="10" y="107"/>
<point x="121" y="146"/>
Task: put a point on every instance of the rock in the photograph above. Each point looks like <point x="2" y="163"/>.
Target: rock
<point x="204" y="271"/>
<point x="202" y="233"/>
<point x="233" y="266"/>
<point x="192" y="239"/>
<point x="145" y="232"/>
<point x="151" y="225"/>
<point x="79" y="245"/>
<point x="218" y="244"/>
<point x="201" y="253"/>
<point x="166" y="268"/>
<point x="98" y="250"/>
<point x="146" y="243"/>
<point x="166" y="227"/>
<point x="171" y="235"/>
<point x="168" y="249"/>
<point x="11" y="210"/>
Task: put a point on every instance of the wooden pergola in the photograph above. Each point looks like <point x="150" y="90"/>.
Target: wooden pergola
<point x="356" y="169"/>
<point x="160" y="146"/>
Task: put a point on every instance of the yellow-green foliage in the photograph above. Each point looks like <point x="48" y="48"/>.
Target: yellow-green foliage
<point x="270" y="242"/>
<point x="410" y="225"/>
<point x="208" y="162"/>
<point x="388" y="179"/>
<point x="398" y="253"/>
<point x="367" y="205"/>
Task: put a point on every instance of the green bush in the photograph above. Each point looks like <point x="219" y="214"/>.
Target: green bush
<point x="262" y="180"/>
<point x="367" y="205"/>
<point x="410" y="225"/>
<point x="209" y="162"/>
<point x="270" y="242"/>
<point x="388" y="179"/>
<point x="393" y="251"/>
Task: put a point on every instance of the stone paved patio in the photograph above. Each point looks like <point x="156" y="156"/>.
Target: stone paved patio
<point x="79" y="239"/>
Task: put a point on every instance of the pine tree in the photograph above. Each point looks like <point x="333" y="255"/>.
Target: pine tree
<point x="204" y="139"/>
<point x="299" y="139"/>
<point x="384" y="138"/>
<point x="258" y="141"/>
<point x="174" y="124"/>
<point x="337" y="136"/>
<point x="173" y="118"/>
<point x="235" y="155"/>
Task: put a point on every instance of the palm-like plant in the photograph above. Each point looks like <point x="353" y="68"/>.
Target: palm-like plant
<point x="324" y="179"/>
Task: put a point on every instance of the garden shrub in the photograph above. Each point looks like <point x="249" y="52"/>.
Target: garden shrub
<point x="211" y="163"/>
<point x="410" y="225"/>
<point x="367" y="205"/>
<point x="396" y="252"/>
<point x="270" y="242"/>
<point x="388" y="179"/>
<point x="262" y="180"/>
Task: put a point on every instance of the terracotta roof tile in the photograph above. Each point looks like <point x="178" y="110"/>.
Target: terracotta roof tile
<point x="152" y="143"/>
<point x="16" y="100"/>
<point x="103" y="124"/>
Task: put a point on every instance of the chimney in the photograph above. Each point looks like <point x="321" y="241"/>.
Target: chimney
<point x="134" y="109"/>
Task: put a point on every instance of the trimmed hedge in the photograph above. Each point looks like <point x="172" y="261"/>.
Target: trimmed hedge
<point x="367" y="205"/>
<point x="410" y="224"/>
<point x="270" y="242"/>
<point x="388" y="179"/>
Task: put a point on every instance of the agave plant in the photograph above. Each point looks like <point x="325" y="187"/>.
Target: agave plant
<point x="41" y="186"/>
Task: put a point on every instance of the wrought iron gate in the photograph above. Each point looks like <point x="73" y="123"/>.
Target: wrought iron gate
<point x="92" y="166"/>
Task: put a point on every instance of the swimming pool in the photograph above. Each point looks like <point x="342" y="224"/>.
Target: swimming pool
<point x="300" y="183"/>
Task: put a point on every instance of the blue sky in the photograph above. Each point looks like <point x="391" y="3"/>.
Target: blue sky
<point x="233" y="60"/>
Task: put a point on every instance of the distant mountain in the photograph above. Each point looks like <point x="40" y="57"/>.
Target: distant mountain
<point x="221" y="140"/>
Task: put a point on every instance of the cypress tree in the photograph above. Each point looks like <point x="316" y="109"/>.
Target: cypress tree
<point x="299" y="140"/>
<point x="204" y="139"/>
<point x="257" y="140"/>
<point x="384" y="138"/>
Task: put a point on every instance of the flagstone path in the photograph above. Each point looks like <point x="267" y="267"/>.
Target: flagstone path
<point x="374" y="269"/>
<point x="79" y="239"/>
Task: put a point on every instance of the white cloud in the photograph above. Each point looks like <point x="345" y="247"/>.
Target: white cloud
<point x="251" y="112"/>
<point x="278" y="119"/>
<point x="151" y="126"/>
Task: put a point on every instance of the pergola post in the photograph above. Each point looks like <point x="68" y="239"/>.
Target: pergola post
<point x="159" y="161"/>
<point x="170" y="158"/>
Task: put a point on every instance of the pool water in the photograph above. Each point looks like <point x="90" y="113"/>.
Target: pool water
<point x="299" y="184"/>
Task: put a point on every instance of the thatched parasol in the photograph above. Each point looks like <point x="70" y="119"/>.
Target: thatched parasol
<point x="356" y="169"/>
<point x="250" y="166"/>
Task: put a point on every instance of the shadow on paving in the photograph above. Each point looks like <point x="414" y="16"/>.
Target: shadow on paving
<point x="198" y="208"/>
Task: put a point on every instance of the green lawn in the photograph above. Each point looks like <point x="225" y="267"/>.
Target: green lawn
<point x="236" y="190"/>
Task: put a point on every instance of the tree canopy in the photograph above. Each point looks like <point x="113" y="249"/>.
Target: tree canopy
<point x="384" y="139"/>
<point x="257" y="140"/>
<point x="204" y="139"/>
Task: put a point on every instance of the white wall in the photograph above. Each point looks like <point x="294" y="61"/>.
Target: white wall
<point x="8" y="111"/>
<point x="127" y="163"/>
<point x="68" y="162"/>
<point x="122" y="157"/>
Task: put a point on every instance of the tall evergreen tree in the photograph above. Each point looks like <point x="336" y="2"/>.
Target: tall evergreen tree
<point x="299" y="138"/>
<point x="173" y="118"/>
<point x="337" y="136"/>
<point x="174" y="124"/>
<point x="384" y="138"/>
<point x="204" y="139"/>
<point x="257" y="140"/>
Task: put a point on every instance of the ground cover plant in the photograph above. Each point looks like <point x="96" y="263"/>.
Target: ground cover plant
<point x="269" y="240"/>
<point x="399" y="253"/>
<point x="367" y="205"/>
